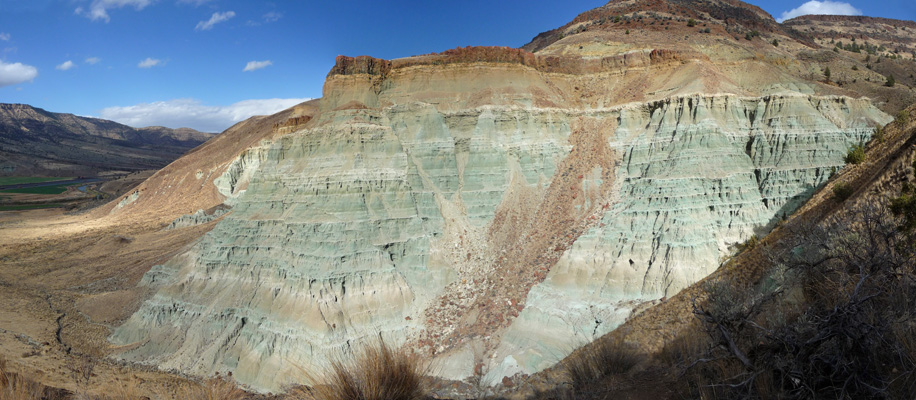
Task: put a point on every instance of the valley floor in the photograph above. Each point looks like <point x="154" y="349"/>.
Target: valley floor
<point x="66" y="280"/>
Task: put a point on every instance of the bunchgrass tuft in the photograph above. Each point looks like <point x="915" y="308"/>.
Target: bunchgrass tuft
<point x="599" y="360"/>
<point x="375" y="373"/>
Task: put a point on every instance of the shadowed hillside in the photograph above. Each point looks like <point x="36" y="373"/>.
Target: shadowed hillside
<point x="37" y="142"/>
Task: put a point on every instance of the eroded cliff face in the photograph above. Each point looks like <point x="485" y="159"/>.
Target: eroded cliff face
<point x="698" y="176"/>
<point x="482" y="215"/>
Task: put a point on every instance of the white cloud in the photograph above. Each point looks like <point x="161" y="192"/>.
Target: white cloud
<point x="194" y="114"/>
<point x="272" y="16"/>
<point x="66" y="65"/>
<point x="194" y="2"/>
<point x="98" y="10"/>
<point x="93" y="60"/>
<point x="15" y="73"/>
<point x="256" y="65"/>
<point x="216" y="18"/>
<point x="149" y="62"/>
<point x="815" y="7"/>
<point x="4" y="36"/>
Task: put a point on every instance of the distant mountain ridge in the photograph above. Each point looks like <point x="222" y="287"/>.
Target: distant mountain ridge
<point x="861" y="19"/>
<point x="34" y="141"/>
<point x="893" y="35"/>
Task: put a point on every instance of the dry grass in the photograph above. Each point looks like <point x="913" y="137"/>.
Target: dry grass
<point x="691" y="344"/>
<point x="599" y="360"/>
<point x="16" y="387"/>
<point x="129" y="389"/>
<point x="216" y="389"/>
<point x="119" y="390"/>
<point x="376" y="373"/>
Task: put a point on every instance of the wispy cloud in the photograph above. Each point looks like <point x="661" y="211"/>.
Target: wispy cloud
<point x="194" y="114"/>
<point x="815" y="7"/>
<point x="65" y="65"/>
<point x="4" y="36"/>
<point x="15" y="73"/>
<point x="272" y="16"/>
<point x="256" y="65"/>
<point x="216" y="18"/>
<point x="98" y="10"/>
<point x="149" y="62"/>
<point x="93" y="60"/>
<point x="195" y="2"/>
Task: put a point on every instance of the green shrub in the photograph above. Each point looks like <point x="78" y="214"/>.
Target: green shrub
<point x="878" y="135"/>
<point x="856" y="154"/>
<point x="691" y="23"/>
<point x="842" y="191"/>
<point x="748" y="244"/>
<point x="903" y="117"/>
<point x="890" y="81"/>
<point x="905" y="206"/>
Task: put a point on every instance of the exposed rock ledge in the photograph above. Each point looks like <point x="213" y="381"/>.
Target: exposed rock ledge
<point x="345" y="65"/>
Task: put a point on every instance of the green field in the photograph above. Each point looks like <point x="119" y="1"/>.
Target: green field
<point x="38" y="190"/>
<point x="29" y="207"/>
<point x="15" y="180"/>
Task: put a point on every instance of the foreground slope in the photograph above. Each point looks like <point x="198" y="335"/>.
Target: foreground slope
<point x="494" y="208"/>
<point x="36" y="142"/>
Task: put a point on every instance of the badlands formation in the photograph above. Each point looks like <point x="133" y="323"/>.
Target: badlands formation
<point x="491" y="208"/>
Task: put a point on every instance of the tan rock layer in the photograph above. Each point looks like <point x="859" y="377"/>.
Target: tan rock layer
<point x="506" y="55"/>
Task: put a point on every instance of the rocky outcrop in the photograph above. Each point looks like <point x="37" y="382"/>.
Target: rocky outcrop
<point x="199" y="217"/>
<point x="494" y="235"/>
<point x="364" y="65"/>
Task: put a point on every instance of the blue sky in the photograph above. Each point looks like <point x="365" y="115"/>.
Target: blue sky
<point x="209" y="63"/>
